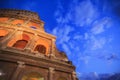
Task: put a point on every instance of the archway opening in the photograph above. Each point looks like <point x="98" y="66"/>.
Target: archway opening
<point x="33" y="76"/>
<point x="20" y="44"/>
<point x="40" y="48"/>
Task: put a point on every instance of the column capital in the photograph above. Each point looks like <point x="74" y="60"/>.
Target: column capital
<point x="51" y="72"/>
<point x="74" y="74"/>
<point x="52" y="56"/>
<point x="51" y="69"/>
<point x="53" y="40"/>
<point x="35" y="34"/>
<point x="21" y="64"/>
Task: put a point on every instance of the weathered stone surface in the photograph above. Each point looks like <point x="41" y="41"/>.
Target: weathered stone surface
<point x="29" y="53"/>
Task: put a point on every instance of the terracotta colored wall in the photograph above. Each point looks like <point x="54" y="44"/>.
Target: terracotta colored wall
<point x="3" y="19"/>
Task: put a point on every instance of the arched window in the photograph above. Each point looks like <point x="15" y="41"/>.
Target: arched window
<point x="40" y="49"/>
<point x="20" y="44"/>
<point x="32" y="76"/>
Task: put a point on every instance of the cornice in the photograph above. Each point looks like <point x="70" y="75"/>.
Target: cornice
<point x="21" y="14"/>
<point x="23" y="56"/>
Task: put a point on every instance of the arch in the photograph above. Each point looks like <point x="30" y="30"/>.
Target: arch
<point x="20" y="44"/>
<point x="43" y="42"/>
<point x="3" y="33"/>
<point x="19" y="41"/>
<point x="25" y="37"/>
<point x="33" y="76"/>
<point x="40" y="48"/>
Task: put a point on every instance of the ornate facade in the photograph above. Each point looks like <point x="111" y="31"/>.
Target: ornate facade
<point x="27" y="52"/>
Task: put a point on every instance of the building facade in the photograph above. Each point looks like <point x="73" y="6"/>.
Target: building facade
<point x="27" y="52"/>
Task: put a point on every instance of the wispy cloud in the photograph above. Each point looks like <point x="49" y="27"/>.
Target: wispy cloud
<point x="101" y="25"/>
<point x="97" y="43"/>
<point x="81" y="32"/>
<point x="62" y="33"/>
<point x="84" y="13"/>
<point x="81" y="14"/>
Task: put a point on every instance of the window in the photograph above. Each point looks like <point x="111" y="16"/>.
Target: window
<point x="40" y="49"/>
<point x="32" y="76"/>
<point x="20" y="44"/>
<point x="33" y="27"/>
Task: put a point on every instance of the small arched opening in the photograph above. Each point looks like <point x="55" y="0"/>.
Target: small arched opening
<point x="20" y="44"/>
<point x="40" y="48"/>
<point x="19" y="41"/>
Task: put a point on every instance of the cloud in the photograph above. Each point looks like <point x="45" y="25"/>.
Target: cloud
<point x="101" y="25"/>
<point x="84" y="13"/>
<point x="110" y="56"/>
<point x="86" y="36"/>
<point x="62" y="33"/>
<point x="66" y="49"/>
<point x="85" y="59"/>
<point x="83" y="32"/>
<point x="79" y="13"/>
<point x="78" y="37"/>
<point x="97" y="43"/>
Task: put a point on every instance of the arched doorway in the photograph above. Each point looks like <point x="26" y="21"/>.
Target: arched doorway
<point x="32" y="76"/>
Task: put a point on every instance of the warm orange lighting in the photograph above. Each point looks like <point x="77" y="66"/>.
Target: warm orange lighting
<point x="3" y="32"/>
<point x="3" y="19"/>
<point x="18" y="22"/>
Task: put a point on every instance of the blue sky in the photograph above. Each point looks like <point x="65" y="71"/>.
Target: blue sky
<point x="87" y="30"/>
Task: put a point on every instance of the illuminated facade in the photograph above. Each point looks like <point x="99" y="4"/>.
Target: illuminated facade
<point x="27" y="52"/>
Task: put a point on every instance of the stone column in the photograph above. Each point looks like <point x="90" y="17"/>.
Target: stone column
<point x="10" y="20"/>
<point x="74" y="75"/>
<point x="51" y="72"/>
<point x="7" y="38"/>
<point x="52" y="54"/>
<point x="26" y="22"/>
<point x="20" y="66"/>
<point x="31" y="43"/>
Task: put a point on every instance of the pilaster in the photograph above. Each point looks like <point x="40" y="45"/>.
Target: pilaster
<point x="20" y="66"/>
<point x="7" y="38"/>
<point x="52" y="54"/>
<point x="31" y="43"/>
<point x="51" y="72"/>
<point x="74" y="75"/>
